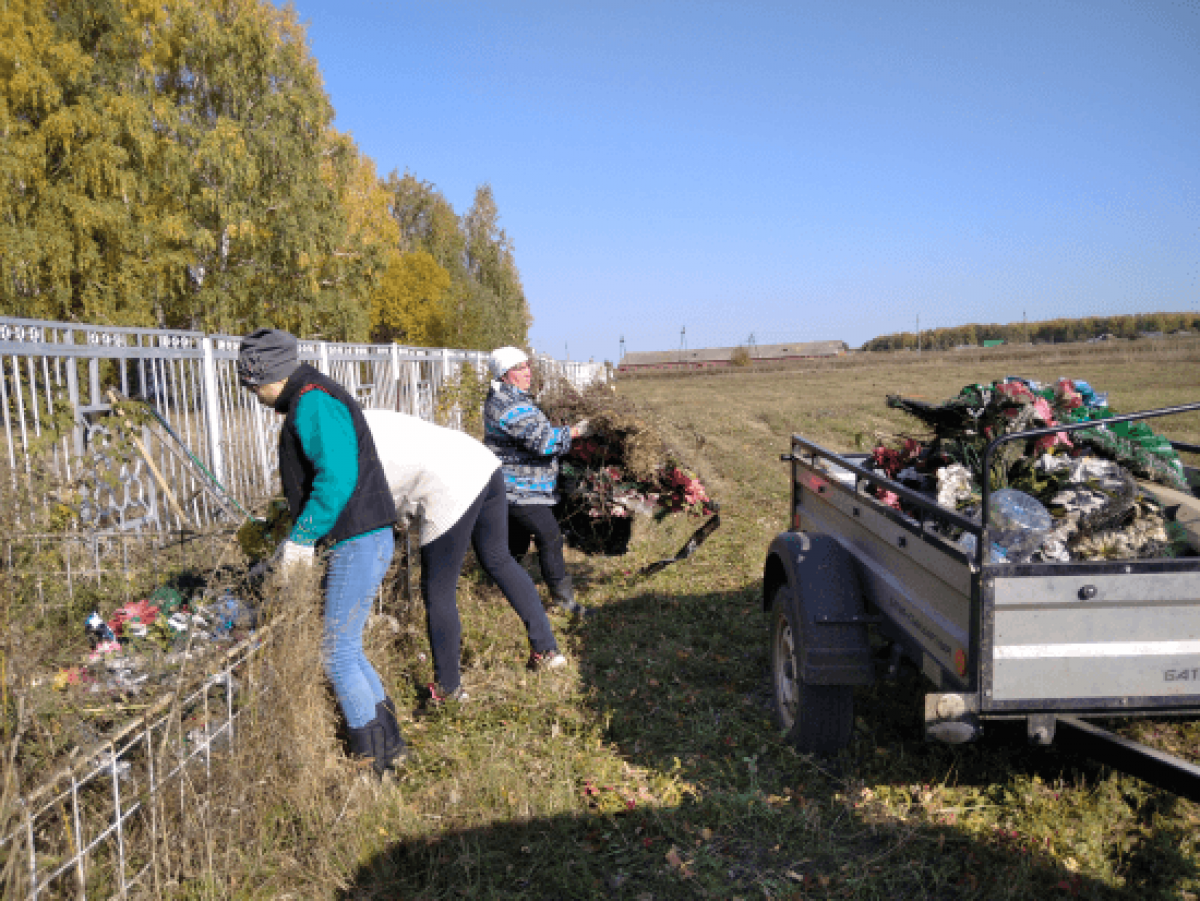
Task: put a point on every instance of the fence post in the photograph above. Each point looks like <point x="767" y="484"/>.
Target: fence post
<point x="446" y="370"/>
<point x="212" y="410"/>
<point x="323" y="350"/>
<point x="95" y="397"/>
<point x="73" y="396"/>
<point x="394" y="350"/>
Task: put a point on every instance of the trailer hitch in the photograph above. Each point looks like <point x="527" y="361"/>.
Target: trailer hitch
<point x="1156" y="767"/>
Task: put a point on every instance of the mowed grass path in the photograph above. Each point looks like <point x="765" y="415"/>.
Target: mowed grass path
<point x="651" y="769"/>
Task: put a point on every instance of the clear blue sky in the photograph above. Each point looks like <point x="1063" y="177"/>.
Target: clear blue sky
<point x="795" y="171"/>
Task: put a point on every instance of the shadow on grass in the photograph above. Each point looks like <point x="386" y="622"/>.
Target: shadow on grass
<point x="725" y="848"/>
<point x="680" y="680"/>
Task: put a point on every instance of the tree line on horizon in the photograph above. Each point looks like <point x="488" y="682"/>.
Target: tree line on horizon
<point x="173" y="164"/>
<point x="1049" y="331"/>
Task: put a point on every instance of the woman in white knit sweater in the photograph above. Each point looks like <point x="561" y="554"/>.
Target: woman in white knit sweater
<point x="451" y="488"/>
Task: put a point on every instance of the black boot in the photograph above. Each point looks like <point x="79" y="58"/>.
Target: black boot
<point x="368" y="742"/>
<point x="564" y="595"/>
<point x="394" y="749"/>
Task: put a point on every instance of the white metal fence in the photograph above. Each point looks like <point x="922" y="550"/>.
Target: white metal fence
<point x="53" y="371"/>
<point x="98" y="823"/>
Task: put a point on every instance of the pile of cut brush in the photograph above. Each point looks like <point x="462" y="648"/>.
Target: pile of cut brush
<point x="621" y="468"/>
<point x="1114" y="491"/>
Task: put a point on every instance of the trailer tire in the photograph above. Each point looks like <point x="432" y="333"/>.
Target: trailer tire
<point x="815" y="719"/>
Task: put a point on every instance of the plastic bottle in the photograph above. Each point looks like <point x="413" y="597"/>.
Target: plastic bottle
<point x="1019" y="524"/>
<point x="97" y="630"/>
<point x="996" y="553"/>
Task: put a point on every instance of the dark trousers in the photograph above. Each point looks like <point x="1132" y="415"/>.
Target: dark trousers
<point x="485" y="528"/>
<point x="537" y="521"/>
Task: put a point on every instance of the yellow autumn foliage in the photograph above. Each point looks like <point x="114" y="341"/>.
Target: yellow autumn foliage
<point x="408" y="306"/>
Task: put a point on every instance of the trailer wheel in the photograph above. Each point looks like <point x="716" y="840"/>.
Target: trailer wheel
<point x="816" y="719"/>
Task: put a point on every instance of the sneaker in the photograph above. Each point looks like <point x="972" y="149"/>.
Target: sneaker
<point x="438" y="697"/>
<point x="546" y="660"/>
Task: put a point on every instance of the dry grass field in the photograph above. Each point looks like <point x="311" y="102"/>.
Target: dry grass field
<point x="653" y="771"/>
<point x="650" y="769"/>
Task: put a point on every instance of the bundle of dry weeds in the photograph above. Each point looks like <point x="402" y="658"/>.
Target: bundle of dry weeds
<point x="632" y="442"/>
<point x="621" y="467"/>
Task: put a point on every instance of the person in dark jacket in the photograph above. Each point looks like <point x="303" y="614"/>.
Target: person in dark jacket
<point x="529" y="448"/>
<point x="340" y="504"/>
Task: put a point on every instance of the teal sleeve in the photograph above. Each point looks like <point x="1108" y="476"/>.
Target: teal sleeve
<point x="328" y="440"/>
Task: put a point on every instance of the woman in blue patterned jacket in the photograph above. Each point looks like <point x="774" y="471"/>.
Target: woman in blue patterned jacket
<point x="529" y="447"/>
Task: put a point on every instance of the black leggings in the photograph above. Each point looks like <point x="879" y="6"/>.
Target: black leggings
<point x="485" y="527"/>
<point x="538" y="521"/>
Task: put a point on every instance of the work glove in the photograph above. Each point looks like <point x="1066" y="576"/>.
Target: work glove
<point x="292" y="558"/>
<point x="581" y="429"/>
<point x="289" y="559"/>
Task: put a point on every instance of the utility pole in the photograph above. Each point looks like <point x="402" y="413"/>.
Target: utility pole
<point x="1025" y="326"/>
<point x="918" y="333"/>
<point x="682" y="342"/>
<point x="622" y="356"/>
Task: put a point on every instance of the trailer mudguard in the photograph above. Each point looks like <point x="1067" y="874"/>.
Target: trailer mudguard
<point x="819" y="577"/>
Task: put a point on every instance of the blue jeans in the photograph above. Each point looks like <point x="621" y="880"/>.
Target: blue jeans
<point x="355" y="570"/>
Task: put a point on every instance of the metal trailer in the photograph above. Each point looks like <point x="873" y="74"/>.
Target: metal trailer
<point x="1050" y="643"/>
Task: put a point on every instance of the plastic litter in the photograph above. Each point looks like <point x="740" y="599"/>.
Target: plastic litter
<point x="227" y="613"/>
<point x="98" y="631"/>
<point x="142" y="645"/>
<point x="167" y="599"/>
<point x="1020" y="523"/>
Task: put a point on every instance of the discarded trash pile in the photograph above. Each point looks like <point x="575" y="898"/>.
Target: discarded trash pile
<point x="620" y="469"/>
<point x="1115" y="491"/>
<point x="144" y="644"/>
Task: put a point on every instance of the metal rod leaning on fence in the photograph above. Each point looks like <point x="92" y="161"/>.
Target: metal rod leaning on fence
<point x="209" y="482"/>
<point x="184" y="520"/>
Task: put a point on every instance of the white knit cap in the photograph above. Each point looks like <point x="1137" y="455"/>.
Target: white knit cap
<point x="504" y="359"/>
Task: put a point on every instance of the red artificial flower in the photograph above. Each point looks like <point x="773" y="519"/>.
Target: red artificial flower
<point x="1067" y="396"/>
<point x="888" y="460"/>
<point x="1043" y="412"/>
<point x="1048" y="441"/>
<point x="1018" y="391"/>
<point x="143" y="612"/>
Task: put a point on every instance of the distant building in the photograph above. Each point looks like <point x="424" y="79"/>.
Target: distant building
<point x="717" y="357"/>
